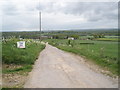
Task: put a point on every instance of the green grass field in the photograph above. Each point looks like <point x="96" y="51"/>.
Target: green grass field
<point x="17" y="56"/>
<point x="108" y="39"/>
<point x="103" y="53"/>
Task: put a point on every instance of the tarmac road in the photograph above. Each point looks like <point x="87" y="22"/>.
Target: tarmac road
<point x="58" y="69"/>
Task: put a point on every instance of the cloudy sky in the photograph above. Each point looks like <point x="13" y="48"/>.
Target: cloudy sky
<point x="23" y="15"/>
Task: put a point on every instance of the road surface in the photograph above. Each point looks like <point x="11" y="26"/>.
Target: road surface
<point x="58" y="69"/>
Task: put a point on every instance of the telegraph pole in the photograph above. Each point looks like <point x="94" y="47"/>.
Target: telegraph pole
<point x="40" y="24"/>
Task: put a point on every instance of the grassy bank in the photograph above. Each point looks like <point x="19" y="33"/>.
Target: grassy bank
<point x="17" y="61"/>
<point x="13" y="55"/>
<point x="103" y="53"/>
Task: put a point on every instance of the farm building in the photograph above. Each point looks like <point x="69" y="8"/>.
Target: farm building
<point x="71" y="38"/>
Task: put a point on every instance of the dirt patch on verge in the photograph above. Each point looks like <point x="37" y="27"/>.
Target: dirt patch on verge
<point x="13" y="79"/>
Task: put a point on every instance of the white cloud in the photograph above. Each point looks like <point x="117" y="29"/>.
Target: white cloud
<point x="63" y="14"/>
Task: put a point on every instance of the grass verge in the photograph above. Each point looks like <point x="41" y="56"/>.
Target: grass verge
<point x="104" y="54"/>
<point x="17" y="61"/>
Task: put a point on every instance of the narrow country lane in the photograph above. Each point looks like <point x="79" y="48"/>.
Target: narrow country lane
<point x="58" y="69"/>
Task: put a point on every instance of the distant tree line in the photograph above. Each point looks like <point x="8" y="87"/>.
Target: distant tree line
<point x="60" y="34"/>
<point x="98" y="35"/>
